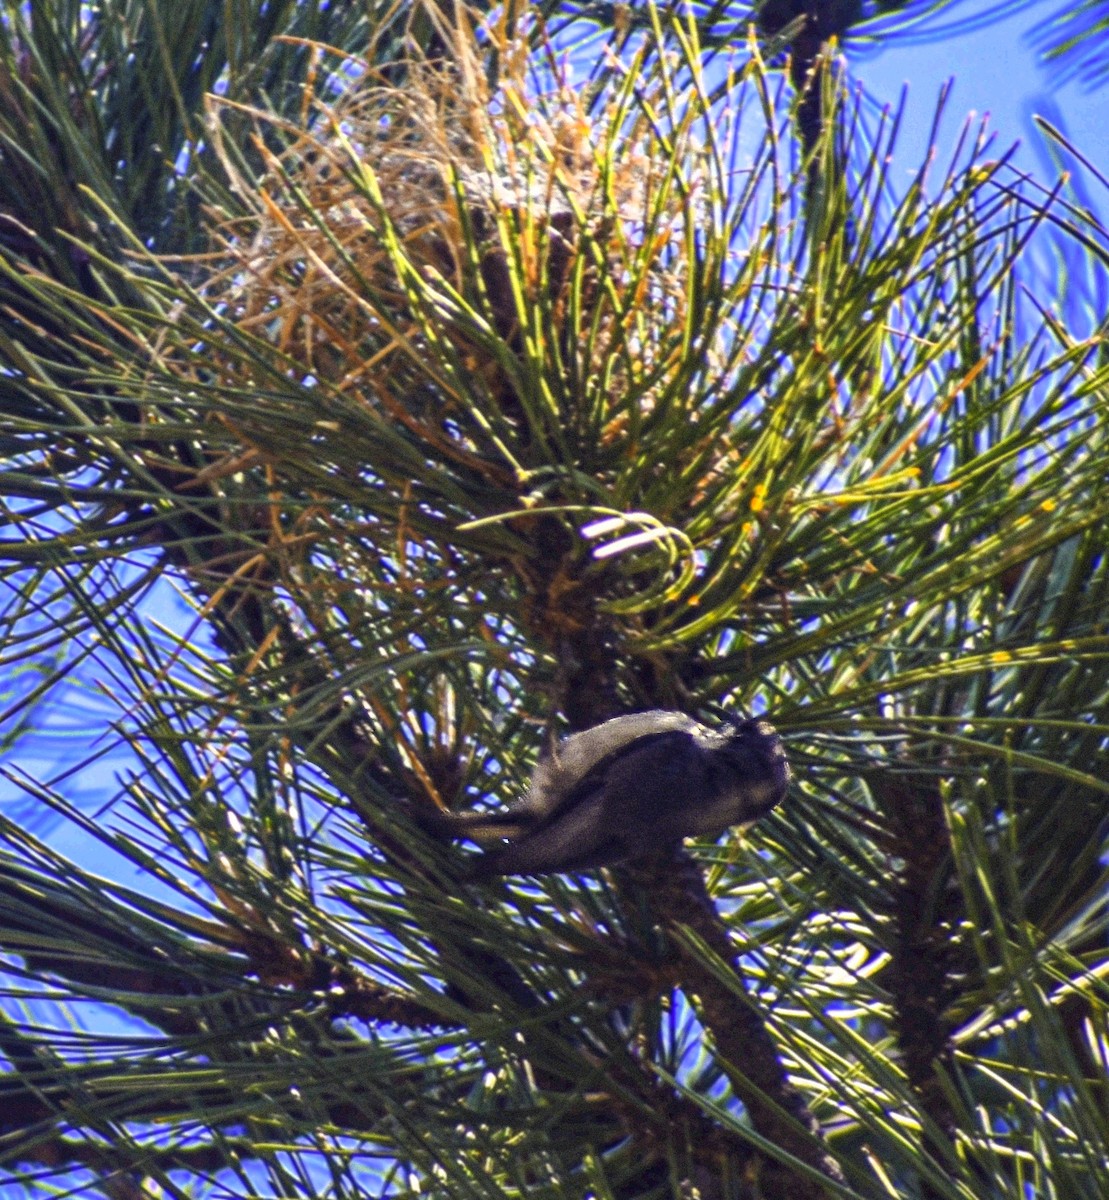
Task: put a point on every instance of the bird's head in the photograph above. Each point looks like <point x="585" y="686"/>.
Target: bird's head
<point x="751" y="749"/>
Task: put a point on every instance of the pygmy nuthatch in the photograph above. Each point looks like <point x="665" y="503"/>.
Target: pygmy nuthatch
<point x="626" y="788"/>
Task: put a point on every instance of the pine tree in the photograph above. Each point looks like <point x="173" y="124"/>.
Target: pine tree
<point x="388" y="394"/>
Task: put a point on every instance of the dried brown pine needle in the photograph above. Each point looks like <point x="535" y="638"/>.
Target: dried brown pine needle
<point x="427" y="246"/>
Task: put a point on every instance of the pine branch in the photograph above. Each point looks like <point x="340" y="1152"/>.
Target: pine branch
<point x="99" y="944"/>
<point x="675" y="888"/>
<point x="920" y="971"/>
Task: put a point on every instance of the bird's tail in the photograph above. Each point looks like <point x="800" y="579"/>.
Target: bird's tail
<point x="472" y="826"/>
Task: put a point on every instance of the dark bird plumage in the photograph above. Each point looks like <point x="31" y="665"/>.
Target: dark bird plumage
<point x="624" y="789"/>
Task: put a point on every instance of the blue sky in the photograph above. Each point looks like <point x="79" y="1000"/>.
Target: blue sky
<point x="995" y="72"/>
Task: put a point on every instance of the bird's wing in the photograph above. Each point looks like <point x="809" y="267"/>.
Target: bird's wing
<point x="630" y="803"/>
<point x="577" y="755"/>
<point x="642" y="781"/>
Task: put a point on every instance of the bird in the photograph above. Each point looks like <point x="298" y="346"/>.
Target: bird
<point x="625" y="789"/>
